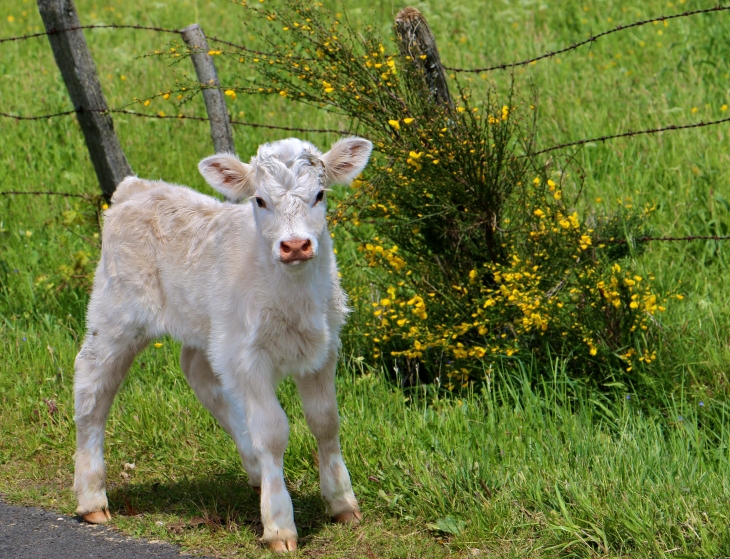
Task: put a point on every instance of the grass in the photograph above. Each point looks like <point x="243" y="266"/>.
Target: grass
<point x="535" y="463"/>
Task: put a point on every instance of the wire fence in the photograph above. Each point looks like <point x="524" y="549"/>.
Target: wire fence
<point x="171" y="117"/>
<point x="589" y="40"/>
<point x="501" y="66"/>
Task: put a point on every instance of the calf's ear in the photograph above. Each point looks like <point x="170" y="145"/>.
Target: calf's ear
<point x="228" y="175"/>
<point x="346" y="160"/>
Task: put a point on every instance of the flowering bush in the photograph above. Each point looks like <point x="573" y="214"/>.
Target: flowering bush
<point x="472" y="250"/>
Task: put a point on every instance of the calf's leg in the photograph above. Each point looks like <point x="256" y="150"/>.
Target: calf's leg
<point x="269" y="431"/>
<point x="228" y="412"/>
<point x="320" y="409"/>
<point x="100" y="367"/>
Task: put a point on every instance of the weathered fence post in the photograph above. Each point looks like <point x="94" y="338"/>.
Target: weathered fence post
<point x="416" y="40"/>
<point x="79" y="74"/>
<point x="215" y="102"/>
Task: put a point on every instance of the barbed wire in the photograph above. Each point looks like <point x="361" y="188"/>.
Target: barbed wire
<point x="591" y="39"/>
<point x="129" y="26"/>
<point x="174" y="117"/>
<point x="631" y="133"/>
<point x="94" y="198"/>
<point x="96" y="26"/>
<point x="50" y="193"/>
<point x="665" y="239"/>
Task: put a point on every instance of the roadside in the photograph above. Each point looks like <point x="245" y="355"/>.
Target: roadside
<point x="33" y="533"/>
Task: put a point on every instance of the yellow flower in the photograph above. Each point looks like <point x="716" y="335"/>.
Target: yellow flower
<point x="723" y="108"/>
<point x="395" y="124"/>
<point x="147" y="103"/>
<point x="574" y="220"/>
<point x="415" y="154"/>
<point x="539" y="213"/>
<point x="166" y="96"/>
<point x="536" y="181"/>
<point x="214" y="52"/>
<point x="409" y="120"/>
<point x="460" y="109"/>
<point x="105" y="206"/>
<point x="158" y="344"/>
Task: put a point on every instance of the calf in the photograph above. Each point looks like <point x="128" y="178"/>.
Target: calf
<point x="253" y="293"/>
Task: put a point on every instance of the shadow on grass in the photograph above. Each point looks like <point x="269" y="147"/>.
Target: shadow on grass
<point x="221" y="502"/>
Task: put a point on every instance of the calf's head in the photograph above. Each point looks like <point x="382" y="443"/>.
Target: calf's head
<point x="287" y="183"/>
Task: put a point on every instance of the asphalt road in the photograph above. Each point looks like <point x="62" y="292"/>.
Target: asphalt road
<point x="31" y="533"/>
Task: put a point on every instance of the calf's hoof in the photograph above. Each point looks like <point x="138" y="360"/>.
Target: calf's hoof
<point x="282" y="546"/>
<point x="347" y="517"/>
<point x="98" y="517"/>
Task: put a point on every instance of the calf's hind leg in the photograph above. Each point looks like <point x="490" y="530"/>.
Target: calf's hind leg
<point x="228" y="412"/>
<point x="100" y="368"/>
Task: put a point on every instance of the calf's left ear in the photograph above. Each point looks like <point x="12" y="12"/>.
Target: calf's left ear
<point x="228" y="175"/>
<point x="346" y="160"/>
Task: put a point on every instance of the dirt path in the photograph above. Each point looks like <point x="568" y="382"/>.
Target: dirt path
<point x="31" y="533"/>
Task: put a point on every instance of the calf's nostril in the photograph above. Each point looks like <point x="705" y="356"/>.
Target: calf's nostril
<point x="285" y="248"/>
<point x="306" y="246"/>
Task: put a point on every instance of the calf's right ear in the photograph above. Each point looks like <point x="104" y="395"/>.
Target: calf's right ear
<point x="228" y="175"/>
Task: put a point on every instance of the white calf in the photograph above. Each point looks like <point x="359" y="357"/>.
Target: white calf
<point x="252" y="292"/>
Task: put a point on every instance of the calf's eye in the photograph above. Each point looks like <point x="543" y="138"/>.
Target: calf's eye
<point x="320" y="196"/>
<point x="260" y="202"/>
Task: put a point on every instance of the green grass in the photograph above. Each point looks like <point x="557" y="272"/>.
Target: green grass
<point x="529" y="466"/>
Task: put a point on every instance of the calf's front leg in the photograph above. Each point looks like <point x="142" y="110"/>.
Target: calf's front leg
<point x="269" y="431"/>
<point x="320" y="409"/>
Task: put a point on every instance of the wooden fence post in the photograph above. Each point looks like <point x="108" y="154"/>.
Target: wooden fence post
<point x="79" y="74"/>
<point x="215" y="102"/>
<point x="416" y="40"/>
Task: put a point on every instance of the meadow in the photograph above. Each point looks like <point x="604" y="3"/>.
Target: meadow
<point x="528" y="461"/>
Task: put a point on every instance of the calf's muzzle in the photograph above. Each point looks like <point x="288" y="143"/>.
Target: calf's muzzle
<point x="295" y="250"/>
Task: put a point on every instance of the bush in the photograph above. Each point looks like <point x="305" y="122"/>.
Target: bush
<point x="473" y="251"/>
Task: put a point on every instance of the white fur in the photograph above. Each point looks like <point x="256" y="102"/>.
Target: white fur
<point x="208" y="273"/>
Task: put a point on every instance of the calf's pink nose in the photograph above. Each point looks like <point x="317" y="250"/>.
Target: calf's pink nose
<point x="295" y="249"/>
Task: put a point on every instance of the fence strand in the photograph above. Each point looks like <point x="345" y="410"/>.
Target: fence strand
<point x="138" y="27"/>
<point x="591" y="39"/>
<point x="92" y="198"/>
<point x="48" y="193"/>
<point x="81" y="27"/>
<point x="174" y="117"/>
<point x="631" y="133"/>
